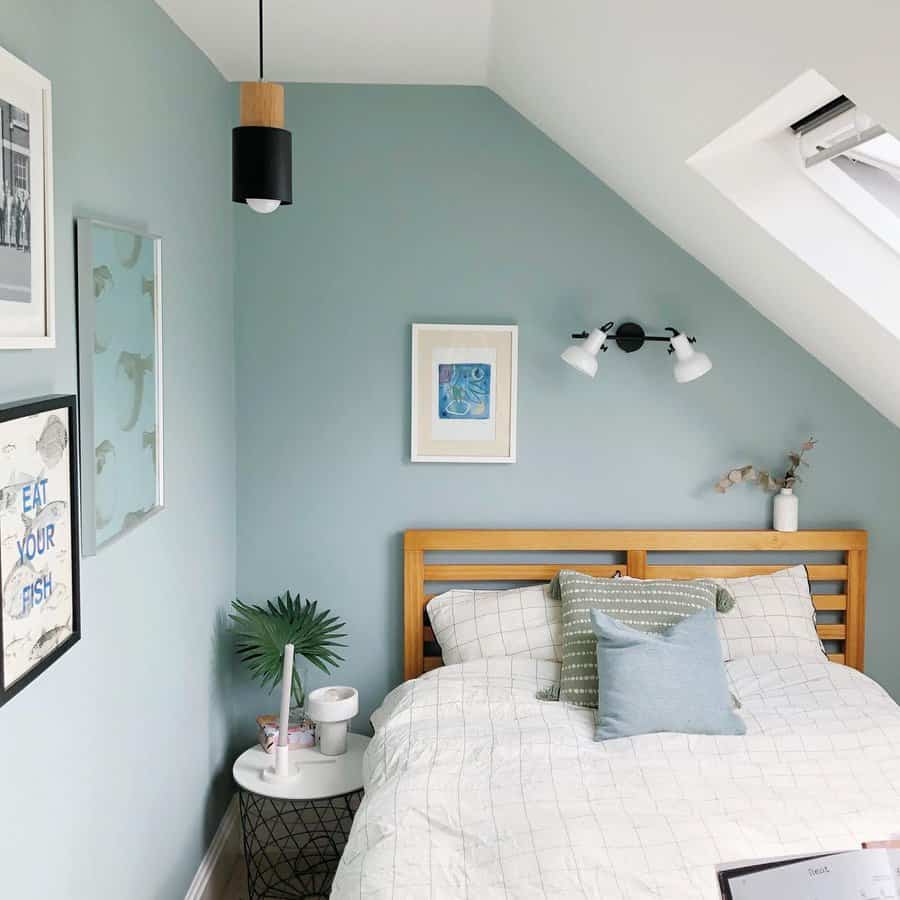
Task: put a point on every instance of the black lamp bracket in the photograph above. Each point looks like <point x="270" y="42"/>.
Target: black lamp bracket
<point x="629" y="336"/>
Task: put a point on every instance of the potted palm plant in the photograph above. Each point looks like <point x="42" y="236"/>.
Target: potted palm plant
<point x="261" y="632"/>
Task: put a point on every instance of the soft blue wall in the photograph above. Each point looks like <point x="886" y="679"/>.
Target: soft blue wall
<point x="123" y="800"/>
<point x="443" y="205"/>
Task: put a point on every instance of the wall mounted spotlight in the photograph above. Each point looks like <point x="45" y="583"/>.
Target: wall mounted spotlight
<point x="629" y="336"/>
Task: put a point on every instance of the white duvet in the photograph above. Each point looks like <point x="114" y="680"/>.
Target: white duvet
<point x="476" y="789"/>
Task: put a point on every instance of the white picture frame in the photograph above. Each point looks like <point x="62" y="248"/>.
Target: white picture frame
<point x="121" y="423"/>
<point x="464" y="393"/>
<point x="27" y="294"/>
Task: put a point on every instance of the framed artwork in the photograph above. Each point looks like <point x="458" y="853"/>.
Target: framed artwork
<point x="26" y="208"/>
<point x="120" y="375"/>
<point x="39" y="587"/>
<point x="464" y="382"/>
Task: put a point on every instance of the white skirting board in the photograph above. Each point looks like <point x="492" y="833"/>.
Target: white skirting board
<point x="220" y="859"/>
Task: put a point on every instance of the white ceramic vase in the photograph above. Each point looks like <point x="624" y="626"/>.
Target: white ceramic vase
<point x="786" y="510"/>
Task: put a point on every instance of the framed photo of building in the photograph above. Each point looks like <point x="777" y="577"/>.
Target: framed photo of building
<point x="120" y="374"/>
<point x="39" y="553"/>
<point x="26" y="208"/>
<point x="464" y="386"/>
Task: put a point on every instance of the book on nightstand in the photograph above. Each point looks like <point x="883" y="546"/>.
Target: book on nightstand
<point x="872" y="873"/>
<point x="300" y="734"/>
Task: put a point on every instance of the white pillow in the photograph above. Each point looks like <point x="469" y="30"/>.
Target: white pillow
<point x="772" y="614"/>
<point x="480" y="624"/>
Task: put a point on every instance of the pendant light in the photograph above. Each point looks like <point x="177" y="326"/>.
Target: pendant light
<point x="261" y="145"/>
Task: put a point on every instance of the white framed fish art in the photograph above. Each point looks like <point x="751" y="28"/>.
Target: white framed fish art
<point x="120" y="375"/>
<point x="39" y="536"/>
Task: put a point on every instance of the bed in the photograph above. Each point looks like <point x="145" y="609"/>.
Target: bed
<point x="474" y="788"/>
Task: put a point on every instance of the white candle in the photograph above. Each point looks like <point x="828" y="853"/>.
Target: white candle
<point x="287" y="677"/>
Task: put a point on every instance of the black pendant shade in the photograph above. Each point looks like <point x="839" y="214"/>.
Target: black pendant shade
<point x="261" y="145"/>
<point x="261" y="164"/>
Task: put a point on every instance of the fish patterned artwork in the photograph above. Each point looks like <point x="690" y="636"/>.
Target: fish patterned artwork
<point x="52" y="443"/>
<point x="121" y="391"/>
<point x="37" y="603"/>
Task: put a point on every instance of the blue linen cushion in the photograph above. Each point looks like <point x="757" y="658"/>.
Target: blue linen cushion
<point x="673" y="681"/>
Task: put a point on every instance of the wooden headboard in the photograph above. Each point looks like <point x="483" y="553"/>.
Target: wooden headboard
<point x="634" y="549"/>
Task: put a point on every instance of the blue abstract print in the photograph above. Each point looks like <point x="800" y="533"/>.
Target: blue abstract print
<point x="464" y="391"/>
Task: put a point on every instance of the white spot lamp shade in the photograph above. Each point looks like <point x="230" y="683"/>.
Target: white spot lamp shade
<point x="584" y="356"/>
<point x="689" y="363"/>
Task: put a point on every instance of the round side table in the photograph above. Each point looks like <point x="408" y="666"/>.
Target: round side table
<point x="294" y="834"/>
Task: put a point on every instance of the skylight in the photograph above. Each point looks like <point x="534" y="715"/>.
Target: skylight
<point x="856" y="162"/>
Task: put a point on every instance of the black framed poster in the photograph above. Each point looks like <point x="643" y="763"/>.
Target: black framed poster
<point x="39" y="550"/>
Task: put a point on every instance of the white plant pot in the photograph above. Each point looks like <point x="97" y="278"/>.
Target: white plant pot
<point x="786" y="510"/>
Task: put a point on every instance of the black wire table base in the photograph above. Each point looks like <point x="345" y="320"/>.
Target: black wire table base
<point x="292" y="847"/>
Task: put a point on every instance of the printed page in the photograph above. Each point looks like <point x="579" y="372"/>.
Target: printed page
<point x="861" y="875"/>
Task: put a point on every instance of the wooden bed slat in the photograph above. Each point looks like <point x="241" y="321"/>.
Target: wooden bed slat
<point x="832" y="632"/>
<point x="514" y="572"/>
<point x="589" y="540"/>
<point x="816" y="572"/>
<point x="830" y="602"/>
<point x="459" y="572"/>
<point x="633" y="547"/>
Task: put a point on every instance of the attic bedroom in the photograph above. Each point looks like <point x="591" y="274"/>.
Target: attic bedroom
<point x="449" y="450"/>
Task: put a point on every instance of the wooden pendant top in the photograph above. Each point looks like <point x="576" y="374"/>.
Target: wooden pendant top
<point x="262" y="103"/>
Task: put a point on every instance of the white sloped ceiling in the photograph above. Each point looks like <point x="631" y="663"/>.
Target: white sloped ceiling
<point x="631" y="90"/>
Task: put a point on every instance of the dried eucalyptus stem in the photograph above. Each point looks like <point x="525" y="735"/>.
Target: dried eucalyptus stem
<point x="767" y="481"/>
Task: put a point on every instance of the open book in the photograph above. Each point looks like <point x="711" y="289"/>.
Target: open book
<point x="871" y="874"/>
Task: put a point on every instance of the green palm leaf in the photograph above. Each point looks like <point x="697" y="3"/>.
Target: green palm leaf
<point x="260" y="633"/>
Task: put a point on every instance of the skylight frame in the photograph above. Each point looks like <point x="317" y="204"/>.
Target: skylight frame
<point x="843" y="131"/>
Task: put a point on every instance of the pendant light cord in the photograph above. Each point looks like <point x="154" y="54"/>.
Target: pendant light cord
<point x="260" y="40"/>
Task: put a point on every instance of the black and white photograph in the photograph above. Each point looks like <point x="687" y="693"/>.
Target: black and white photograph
<point x="15" y="205"/>
<point x="26" y="208"/>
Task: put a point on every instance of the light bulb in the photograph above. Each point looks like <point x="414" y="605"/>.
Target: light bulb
<point x="261" y="205"/>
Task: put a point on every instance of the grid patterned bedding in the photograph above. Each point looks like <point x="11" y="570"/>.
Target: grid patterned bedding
<point x="475" y="789"/>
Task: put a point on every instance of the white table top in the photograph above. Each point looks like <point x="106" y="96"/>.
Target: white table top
<point x="318" y="778"/>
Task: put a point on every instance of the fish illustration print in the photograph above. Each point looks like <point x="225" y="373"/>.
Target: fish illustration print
<point x="149" y="288"/>
<point x="130" y="371"/>
<point x="106" y="497"/>
<point x="9" y="493"/>
<point x="149" y="443"/>
<point x="128" y="248"/>
<point x="17" y="646"/>
<point x="58" y="594"/>
<point x="50" y="640"/>
<point x="51" y="513"/>
<point x="135" y="517"/>
<point x="22" y="574"/>
<point x="51" y="445"/>
<point x="102" y="280"/>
